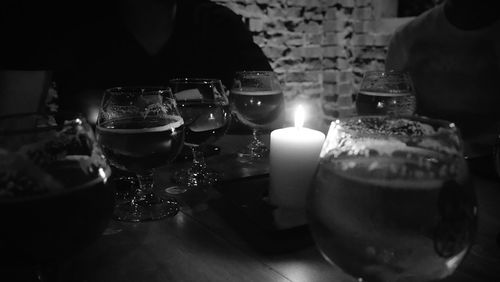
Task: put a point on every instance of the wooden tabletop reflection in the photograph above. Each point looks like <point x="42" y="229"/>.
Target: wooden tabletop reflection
<point x="198" y="244"/>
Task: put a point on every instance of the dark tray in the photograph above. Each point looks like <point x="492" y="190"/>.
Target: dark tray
<point x="244" y="206"/>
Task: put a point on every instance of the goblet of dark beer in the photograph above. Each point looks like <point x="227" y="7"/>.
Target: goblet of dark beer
<point x="204" y="106"/>
<point x="140" y="129"/>
<point x="257" y="100"/>
<point x="392" y="199"/>
<point x="386" y="93"/>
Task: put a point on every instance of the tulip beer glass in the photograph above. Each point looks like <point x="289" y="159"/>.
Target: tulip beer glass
<point x="205" y="109"/>
<point x="140" y="129"/>
<point x="257" y="100"/>
<point x="386" y="93"/>
<point x="392" y="199"/>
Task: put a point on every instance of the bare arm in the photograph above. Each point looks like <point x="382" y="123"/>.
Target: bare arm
<point x="23" y="91"/>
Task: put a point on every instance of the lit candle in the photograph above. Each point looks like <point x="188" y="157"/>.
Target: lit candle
<point x="294" y="158"/>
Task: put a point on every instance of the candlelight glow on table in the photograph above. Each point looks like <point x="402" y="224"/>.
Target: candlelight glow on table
<point x="294" y="158"/>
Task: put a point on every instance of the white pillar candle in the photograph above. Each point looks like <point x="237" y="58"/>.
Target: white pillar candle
<point x="294" y="158"/>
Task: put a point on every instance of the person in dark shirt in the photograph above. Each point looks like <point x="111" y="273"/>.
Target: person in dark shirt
<point x="452" y="53"/>
<point x="93" y="46"/>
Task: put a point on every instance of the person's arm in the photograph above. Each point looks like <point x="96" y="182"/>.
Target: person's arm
<point x="235" y="47"/>
<point x="248" y="55"/>
<point x="23" y="91"/>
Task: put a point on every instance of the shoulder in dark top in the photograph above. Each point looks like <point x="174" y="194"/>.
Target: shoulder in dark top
<point x="89" y="49"/>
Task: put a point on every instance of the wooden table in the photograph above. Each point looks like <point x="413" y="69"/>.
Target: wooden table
<point x="198" y="244"/>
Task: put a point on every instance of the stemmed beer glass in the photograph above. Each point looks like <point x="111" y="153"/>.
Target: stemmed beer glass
<point x="392" y="199"/>
<point x="386" y="93"/>
<point x="205" y="109"/>
<point x="257" y="100"/>
<point x="140" y="129"/>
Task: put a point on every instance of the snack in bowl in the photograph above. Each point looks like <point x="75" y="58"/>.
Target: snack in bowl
<point x="54" y="195"/>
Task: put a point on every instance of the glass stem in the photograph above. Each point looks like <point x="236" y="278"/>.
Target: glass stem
<point x="255" y="134"/>
<point x="199" y="163"/>
<point x="256" y="143"/>
<point x="145" y="187"/>
<point x="256" y="148"/>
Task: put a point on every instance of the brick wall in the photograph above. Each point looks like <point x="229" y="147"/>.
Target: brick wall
<point x="320" y="48"/>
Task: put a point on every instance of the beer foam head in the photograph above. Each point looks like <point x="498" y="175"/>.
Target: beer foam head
<point x="175" y="121"/>
<point x="382" y="125"/>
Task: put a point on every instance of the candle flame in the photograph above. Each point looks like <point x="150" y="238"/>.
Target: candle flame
<point x="299" y="116"/>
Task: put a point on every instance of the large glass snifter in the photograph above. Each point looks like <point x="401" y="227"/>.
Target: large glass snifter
<point x="392" y="199"/>
<point x="257" y="100"/>
<point x="140" y="129"/>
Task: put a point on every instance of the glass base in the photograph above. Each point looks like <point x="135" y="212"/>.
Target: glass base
<point x="175" y="190"/>
<point x="253" y="153"/>
<point x="189" y="178"/>
<point x="146" y="210"/>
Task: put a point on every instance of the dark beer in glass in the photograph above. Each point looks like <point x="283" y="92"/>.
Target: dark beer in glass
<point x="137" y="144"/>
<point x="257" y="108"/>
<point x="386" y="93"/>
<point x="256" y="99"/>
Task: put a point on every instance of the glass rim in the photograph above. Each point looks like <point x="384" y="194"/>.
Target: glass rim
<point x="382" y="131"/>
<point x="256" y="72"/>
<point x="386" y="72"/>
<point x="434" y="122"/>
<point x="198" y="80"/>
<point x="142" y="89"/>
